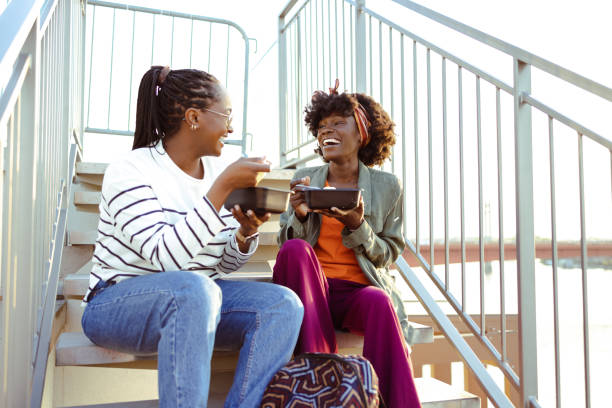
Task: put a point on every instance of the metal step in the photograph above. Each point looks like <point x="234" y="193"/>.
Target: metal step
<point x="87" y="197"/>
<point x="75" y="349"/>
<point x="93" y="173"/>
<point x="89" y="237"/>
<point x="75" y="285"/>
<point x="432" y="393"/>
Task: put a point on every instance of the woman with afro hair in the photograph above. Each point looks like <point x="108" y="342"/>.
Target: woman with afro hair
<point x="337" y="261"/>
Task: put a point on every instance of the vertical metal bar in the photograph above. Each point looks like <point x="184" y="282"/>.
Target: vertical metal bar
<point x="298" y="64"/>
<point x="380" y="62"/>
<point x="404" y="144"/>
<point x="360" y="42"/>
<point x="132" y="69"/>
<point x="416" y="143"/>
<point x="152" y="40"/>
<point x="480" y="210"/>
<point x="500" y="203"/>
<point x="583" y="265"/>
<point x="555" y="280"/>
<point x="322" y="45"/>
<point x="391" y="91"/>
<point x="461" y="185"/>
<point x="525" y="232"/>
<point x="329" y="55"/>
<point x="227" y="55"/>
<point x="445" y="152"/>
<point x="371" y="55"/>
<point x="430" y="164"/>
<point x="81" y="82"/>
<point x="352" y="48"/>
<point x="344" y="42"/>
<point x="110" y="83"/>
<point x="93" y="30"/>
<point x="172" y="44"/>
<point x="290" y="119"/>
<point x="336" y="37"/>
<point x="306" y="59"/>
<point x="312" y="83"/>
<point x="282" y="89"/>
<point x="209" y="45"/>
<point x="191" y="45"/>
<point x="317" y="42"/>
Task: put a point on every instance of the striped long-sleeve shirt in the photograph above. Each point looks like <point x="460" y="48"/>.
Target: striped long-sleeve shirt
<point x="154" y="218"/>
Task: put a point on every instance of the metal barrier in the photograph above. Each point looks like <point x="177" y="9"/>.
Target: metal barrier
<point x="324" y="39"/>
<point x="147" y="38"/>
<point x="39" y="110"/>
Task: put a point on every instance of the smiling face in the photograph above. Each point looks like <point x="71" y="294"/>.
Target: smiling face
<point x="338" y="137"/>
<point x="214" y="126"/>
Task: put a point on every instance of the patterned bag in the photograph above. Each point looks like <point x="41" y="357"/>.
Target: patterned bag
<point x="320" y="380"/>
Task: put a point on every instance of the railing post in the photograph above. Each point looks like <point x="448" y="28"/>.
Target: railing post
<point x="525" y="233"/>
<point x="360" y="47"/>
<point x="282" y="88"/>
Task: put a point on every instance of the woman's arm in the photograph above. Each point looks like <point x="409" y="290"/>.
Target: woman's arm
<point x="292" y="225"/>
<point x="131" y="206"/>
<point x="381" y="249"/>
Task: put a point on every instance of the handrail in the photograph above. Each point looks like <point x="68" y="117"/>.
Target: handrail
<point x="127" y="7"/>
<point x="452" y="334"/>
<point x="518" y="53"/>
<point x="9" y="97"/>
<point x="16" y="21"/>
<point x="41" y="351"/>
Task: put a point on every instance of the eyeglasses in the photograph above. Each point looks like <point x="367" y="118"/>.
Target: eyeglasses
<point x="228" y="116"/>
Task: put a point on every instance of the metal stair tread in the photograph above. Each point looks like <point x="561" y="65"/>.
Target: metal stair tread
<point x="75" y="285"/>
<point x="98" y="169"/>
<point x="89" y="237"/>
<point x="87" y="197"/>
<point x="432" y="393"/>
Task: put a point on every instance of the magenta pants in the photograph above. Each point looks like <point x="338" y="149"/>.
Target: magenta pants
<point x="366" y="310"/>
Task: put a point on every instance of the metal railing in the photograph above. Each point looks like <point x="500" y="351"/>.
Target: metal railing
<point x="321" y="40"/>
<point x="41" y="53"/>
<point x="156" y="37"/>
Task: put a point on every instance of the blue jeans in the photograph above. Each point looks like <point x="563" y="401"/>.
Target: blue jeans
<point x="184" y="315"/>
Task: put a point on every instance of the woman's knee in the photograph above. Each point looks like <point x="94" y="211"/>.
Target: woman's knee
<point x="295" y="246"/>
<point x="286" y="303"/>
<point x="378" y="298"/>
<point x="193" y="290"/>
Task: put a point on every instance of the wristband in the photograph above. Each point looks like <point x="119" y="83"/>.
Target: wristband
<point x="243" y="239"/>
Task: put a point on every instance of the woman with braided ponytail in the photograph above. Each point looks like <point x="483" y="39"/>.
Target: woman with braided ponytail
<point x="165" y="245"/>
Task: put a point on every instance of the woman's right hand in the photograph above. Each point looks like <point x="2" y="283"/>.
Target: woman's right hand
<point x="244" y="172"/>
<point x="297" y="199"/>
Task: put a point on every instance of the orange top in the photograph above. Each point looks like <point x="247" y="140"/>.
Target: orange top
<point x="338" y="261"/>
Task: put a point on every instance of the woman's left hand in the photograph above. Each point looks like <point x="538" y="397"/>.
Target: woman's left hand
<point x="249" y="221"/>
<point x="352" y="219"/>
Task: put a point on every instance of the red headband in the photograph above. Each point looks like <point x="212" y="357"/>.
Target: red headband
<point x="360" y="117"/>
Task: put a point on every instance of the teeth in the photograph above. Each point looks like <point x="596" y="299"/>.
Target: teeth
<point x="327" y="142"/>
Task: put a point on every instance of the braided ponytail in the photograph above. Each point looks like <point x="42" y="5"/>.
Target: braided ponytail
<point x="163" y="98"/>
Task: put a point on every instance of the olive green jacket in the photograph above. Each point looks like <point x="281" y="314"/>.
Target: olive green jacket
<point x="377" y="243"/>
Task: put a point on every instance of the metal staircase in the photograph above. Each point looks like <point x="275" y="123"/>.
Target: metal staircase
<point x="50" y="207"/>
<point x="73" y="351"/>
